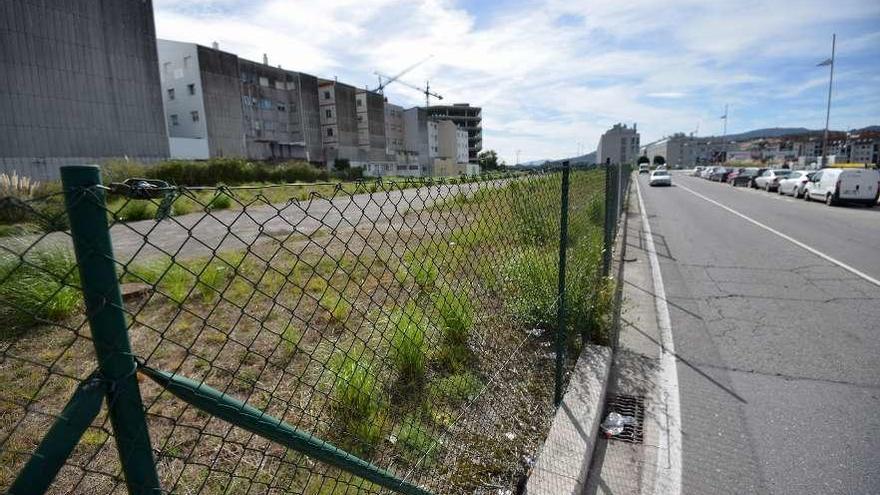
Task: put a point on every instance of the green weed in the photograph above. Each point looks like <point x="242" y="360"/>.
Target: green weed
<point x="221" y="201"/>
<point x="356" y="389"/>
<point x="40" y="285"/>
<point x="455" y="388"/>
<point x="456" y="314"/>
<point x="171" y="279"/>
<point x="336" y="305"/>
<point x="414" y="438"/>
<point x="135" y="209"/>
<point x="408" y="349"/>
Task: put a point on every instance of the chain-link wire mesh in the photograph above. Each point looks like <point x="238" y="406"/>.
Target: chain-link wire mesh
<point x="408" y="323"/>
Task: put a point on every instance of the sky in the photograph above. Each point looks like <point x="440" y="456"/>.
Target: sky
<point x="552" y="75"/>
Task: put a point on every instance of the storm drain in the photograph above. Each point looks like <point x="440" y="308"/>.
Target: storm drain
<point x="628" y="405"/>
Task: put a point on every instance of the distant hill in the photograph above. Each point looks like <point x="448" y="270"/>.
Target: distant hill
<point x="588" y="159"/>
<point x="773" y="132"/>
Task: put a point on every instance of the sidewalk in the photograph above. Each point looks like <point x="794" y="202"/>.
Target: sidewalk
<point x="619" y="467"/>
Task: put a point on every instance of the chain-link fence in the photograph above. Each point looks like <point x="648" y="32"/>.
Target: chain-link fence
<point x="377" y="336"/>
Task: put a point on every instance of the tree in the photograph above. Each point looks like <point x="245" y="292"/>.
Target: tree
<point x="659" y="160"/>
<point x="643" y="159"/>
<point x="488" y="160"/>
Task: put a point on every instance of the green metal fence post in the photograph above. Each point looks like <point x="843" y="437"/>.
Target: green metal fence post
<point x="560" y="308"/>
<point x="607" y="230"/>
<point x="85" y="202"/>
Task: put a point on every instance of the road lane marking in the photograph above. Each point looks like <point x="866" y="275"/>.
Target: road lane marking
<point x="668" y="475"/>
<point x="788" y="238"/>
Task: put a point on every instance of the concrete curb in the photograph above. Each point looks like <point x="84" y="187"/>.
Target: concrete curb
<point x="564" y="459"/>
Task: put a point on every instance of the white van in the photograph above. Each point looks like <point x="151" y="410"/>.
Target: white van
<point x="844" y="185"/>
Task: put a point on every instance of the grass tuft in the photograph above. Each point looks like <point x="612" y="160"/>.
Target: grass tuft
<point x="356" y="390"/>
<point x="456" y="388"/>
<point x="41" y="285"/>
<point x="456" y="314"/>
<point x="414" y="438"/>
<point x="408" y="349"/>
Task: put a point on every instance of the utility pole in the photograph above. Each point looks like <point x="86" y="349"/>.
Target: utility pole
<point x="517" y="156"/>
<point x="724" y="133"/>
<point x="830" y="62"/>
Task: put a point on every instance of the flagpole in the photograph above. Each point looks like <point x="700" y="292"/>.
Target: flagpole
<point x="828" y="110"/>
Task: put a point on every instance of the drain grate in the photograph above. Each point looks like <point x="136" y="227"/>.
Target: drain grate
<point x="628" y="405"/>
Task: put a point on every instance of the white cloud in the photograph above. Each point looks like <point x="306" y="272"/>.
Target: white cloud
<point x="552" y="73"/>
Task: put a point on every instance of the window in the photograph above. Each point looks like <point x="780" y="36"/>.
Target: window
<point x="326" y="95"/>
<point x="191" y="88"/>
<point x="360" y="103"/>
<point x="264" y="81"/>
<point x="329" y="132"/>
<point x="174" y="119"/>
<point x="186" y="61"/>
<point x="265" y="104"/>
<point x="170" y="93"/>
<point x="281" y="107"/>
<point x="195" y="115"/>
<point x="258" y="124"/>
<point x="246" y="101"/>
<point x="328" y="113"/>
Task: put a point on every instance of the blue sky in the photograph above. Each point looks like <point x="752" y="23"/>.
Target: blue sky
<point x="551" y="75"/>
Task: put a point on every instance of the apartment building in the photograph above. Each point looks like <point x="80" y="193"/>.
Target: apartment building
<point x="620" y="144"/>
<point x="217" y="104"/>
<point x="676" y="150"/>
<point x="466" y="117"/>
<point x="80" y="85"/>
<point x="339" y="126"/>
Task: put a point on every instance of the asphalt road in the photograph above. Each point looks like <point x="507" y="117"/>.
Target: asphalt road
<point x="778" y="349"/>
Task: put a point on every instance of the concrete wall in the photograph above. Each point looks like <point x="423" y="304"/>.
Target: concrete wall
<point x="189" y="148"/>
<point x="221" y="92"/>
<point x="447" y="145"/>
<point x="79" y="82"/>
<point x="307" y="86"/>
<point x="394" y="135"/>
<point x="415" y="129"/>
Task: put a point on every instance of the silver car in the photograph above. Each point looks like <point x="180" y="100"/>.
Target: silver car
<point x="660" y="178"/>
<point x="795" y="183"/>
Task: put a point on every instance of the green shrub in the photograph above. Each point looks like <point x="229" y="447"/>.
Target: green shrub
<point x="40" y="286"/>
<point x="120" y="170"/>
<point x="212" y="280"/>
<point x="356" y="390"/>
<point x="133" y="210"/>
<point x="221" y="201"/>
<point x="408" y="350"/>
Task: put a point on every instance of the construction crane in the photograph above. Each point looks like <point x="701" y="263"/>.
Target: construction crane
<point x="426" y="90"/>
<point x="390" y="79"/>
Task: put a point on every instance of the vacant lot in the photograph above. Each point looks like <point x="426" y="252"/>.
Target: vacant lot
<point x="410" y="327"/>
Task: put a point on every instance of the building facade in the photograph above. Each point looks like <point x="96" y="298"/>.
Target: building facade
<point x="466" y="117"/>
<point x="80" y="84"/>
<point x="219" y="105"/>
<point x="620" y="144"/>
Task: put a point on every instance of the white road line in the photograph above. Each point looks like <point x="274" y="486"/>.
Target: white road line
<point x="668" y="477"/>
<point x="787" y="238"/>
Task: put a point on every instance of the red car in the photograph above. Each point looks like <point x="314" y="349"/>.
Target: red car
<point x="733" y="175"/>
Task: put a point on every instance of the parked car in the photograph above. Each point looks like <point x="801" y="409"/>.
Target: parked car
<point x="707" y="172"/>
<point x="697" y="171"/>
<point x="660" y="178"/>
<point x="844" y="185"/>
<point x="769" y="180"/>
<point x="644" y="168"/>
<point x="794" y="183"/>
<point x="744" y="177"/>
<point x="718" y="174"/>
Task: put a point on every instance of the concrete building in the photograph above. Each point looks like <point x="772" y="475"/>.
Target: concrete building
<point x="620" y="144"/>
<point x="339" y="125"/>
<point x="865" y="150"/>
<point x="79" y="83"/>
<point x="217" y="104"/>
<point x="466" y="117"/>
<point x="676" y="150"/>
<point x="420" y="138"/>
<point x="406" y="163"/>
<point x="452" y="150"/>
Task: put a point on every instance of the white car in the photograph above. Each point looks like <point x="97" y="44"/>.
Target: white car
<point x="769" y="180"/>
<point x="844" y="185"/>
<point x="660" y="178"/>
<point x="794" y="184"/>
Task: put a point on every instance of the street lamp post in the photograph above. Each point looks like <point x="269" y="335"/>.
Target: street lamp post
<point x="828" y="62"/>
